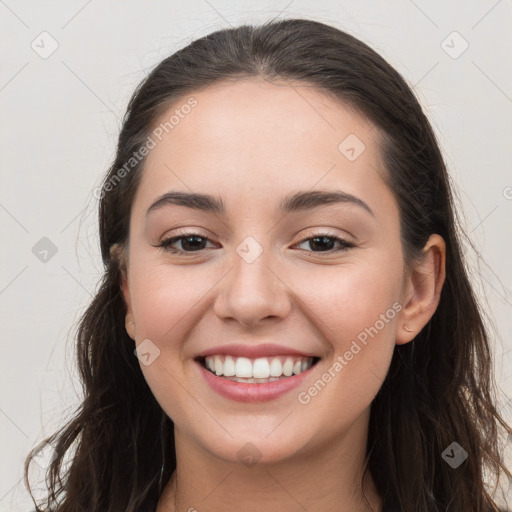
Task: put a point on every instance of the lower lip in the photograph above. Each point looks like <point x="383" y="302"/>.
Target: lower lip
<point x="260" y="392"/>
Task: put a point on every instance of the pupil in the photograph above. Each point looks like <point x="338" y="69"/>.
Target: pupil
<point x="324" y="239"/>
<point x="196" y="240"/>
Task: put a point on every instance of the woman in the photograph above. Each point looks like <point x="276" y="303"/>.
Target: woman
<point x="285" y="321"/>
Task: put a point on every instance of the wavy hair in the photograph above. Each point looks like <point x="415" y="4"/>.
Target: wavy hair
<point x="439" y="388"/>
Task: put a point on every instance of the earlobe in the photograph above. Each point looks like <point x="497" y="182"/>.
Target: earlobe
<point x="118" y="256"/>
<point x="422" y="290"/>
<point x="130" y="326"/>
<point x="129" y="321"/>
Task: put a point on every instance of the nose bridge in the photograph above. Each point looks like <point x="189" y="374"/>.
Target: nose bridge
<point x="252" y="290"/>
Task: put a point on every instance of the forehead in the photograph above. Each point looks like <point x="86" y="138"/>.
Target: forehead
<point x="253" y="139"/>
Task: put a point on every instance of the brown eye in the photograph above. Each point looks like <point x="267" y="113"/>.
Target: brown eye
<point x="327" y="243"/>
<point x="190" y="243"/>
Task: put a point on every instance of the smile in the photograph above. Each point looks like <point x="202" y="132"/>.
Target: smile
<point x="254" y="380"/>
<point x="259" y="370"/>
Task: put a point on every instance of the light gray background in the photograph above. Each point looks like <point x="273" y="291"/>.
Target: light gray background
<point x="60" y="120"/>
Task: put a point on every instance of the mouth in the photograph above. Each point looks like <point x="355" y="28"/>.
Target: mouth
<point x="259" y="370"/>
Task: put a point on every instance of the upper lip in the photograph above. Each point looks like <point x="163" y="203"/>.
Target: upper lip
<point x="254" y="351"/>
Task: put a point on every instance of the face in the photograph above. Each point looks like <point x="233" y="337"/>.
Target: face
<point x="320" y="281"/>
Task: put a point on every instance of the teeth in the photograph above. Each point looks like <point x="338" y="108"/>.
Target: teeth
<point x="276" y="368"/>
<point x="288" y="367"/>
<point x="229" y="367"/>
<point x="218" y="365"/>
<point x="243" y="367"/>
<point x="262" y="369"/>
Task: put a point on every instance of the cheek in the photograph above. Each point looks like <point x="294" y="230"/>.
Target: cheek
<point x="164" y="299"/>
<point x="165" y="302"/>
<point x="348" y="299"/>
<point x="356" y="313"/>
<point x="355" y="307"/>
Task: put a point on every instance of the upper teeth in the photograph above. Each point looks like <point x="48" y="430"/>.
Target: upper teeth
<point x="260" y="368"/>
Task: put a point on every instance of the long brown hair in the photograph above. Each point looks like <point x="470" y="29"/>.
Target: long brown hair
<point x="439" y="388"/>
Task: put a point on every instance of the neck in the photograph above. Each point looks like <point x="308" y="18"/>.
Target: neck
<point x="328" y="478"/>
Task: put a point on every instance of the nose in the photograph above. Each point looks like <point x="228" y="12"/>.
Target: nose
<point x="252" y="292"/>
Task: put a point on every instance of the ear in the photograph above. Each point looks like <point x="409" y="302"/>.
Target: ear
<point x="118" y="255"/>
<point x="422" y="289"/>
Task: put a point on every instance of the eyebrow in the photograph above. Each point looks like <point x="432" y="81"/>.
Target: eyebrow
<point x="297" y="202"/>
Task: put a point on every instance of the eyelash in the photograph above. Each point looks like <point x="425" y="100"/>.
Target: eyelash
<point x="166" y="244"/>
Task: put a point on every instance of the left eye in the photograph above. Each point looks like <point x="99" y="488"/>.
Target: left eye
<point x="323" y="240"/>
<point x="194" y="242"/>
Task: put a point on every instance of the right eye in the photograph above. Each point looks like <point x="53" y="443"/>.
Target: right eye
<point x="190" y="243"/>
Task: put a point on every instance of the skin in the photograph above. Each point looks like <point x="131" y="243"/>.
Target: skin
<point x="253" y="142"/>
